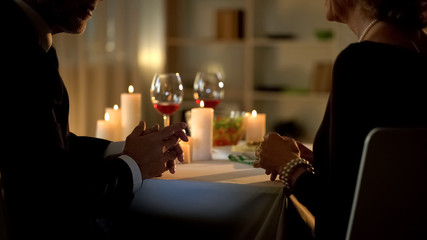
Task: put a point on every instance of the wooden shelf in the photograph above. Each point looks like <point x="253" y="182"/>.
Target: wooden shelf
<point x="174" y="41"/>
<point x="255" y="42"/>
<point x="271" y="42"/>
<point x="289" y="96"/>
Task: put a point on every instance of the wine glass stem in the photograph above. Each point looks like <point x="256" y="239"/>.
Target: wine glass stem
<point x="166" y="120"/>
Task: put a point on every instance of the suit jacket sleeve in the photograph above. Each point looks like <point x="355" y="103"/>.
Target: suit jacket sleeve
<point x="54" y="181"/>
<point x="111" y="177"/>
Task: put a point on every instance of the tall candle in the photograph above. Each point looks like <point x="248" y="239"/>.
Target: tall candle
<point x="105" y="129"/>
<point x="116" y="118"/>
<point x="255" y="127"/>
<point x="201" y="132"/>
<point x="131" y="111"/>
<point x="187" y="150"/>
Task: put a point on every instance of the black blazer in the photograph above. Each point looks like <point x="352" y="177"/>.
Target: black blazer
<point x="57" y="185"/>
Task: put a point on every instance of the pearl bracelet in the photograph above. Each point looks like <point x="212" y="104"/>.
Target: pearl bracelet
<point x="285" y="173"/>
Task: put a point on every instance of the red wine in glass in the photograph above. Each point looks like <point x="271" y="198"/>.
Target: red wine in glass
<point x="209" y="103"/>
<point x="166" y="108"/>
<point x="166" y="94"/>
<point x="209" y="87"/>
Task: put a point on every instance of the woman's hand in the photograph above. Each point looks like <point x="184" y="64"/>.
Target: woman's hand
<point x="154" y="149"/>
<point x="275" y="152"/>
<point x="306" y="153"/>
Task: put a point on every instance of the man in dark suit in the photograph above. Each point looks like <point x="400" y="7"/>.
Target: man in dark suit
<point x="59" y="185"/>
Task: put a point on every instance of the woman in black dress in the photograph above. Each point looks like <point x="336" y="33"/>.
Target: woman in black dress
<point x="377" y="82"/>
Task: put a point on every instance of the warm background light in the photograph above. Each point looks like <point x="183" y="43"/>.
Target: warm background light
<point x="131" y="89"/>
<point x="254" y="113"/>
<point x="168" y="35"/>
<point x="107" y="117"/>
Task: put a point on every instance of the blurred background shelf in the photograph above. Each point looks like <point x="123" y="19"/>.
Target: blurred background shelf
<point x="178" y="42"/>
<point x="290" y="96"/>
<point x="280" y="44"/>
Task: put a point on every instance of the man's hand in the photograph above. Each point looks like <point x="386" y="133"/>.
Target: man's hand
<point x="154" y="149"/>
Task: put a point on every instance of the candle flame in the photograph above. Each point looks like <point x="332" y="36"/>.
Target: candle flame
<point x="107" y="117"/>
<point x="254" y="113"/>
<point x="131" y="89"/>
<point x="116" y="107"/>
<point x="202" y="104"/>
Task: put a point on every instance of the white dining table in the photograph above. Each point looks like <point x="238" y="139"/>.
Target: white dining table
<point x="211" y="199"/>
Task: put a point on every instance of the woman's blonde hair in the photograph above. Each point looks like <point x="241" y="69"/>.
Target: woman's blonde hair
<point x="408" y="14"/>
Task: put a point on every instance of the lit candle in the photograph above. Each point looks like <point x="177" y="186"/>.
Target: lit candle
<point x="255" y="127"/>
<point x="201" y="132"/>
<point x="116" y="118"/>
<point x="187" y="148"/>
<point x="105" y="129"/>
<point x="131" y="111"/>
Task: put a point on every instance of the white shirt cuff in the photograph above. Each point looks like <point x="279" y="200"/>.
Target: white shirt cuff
<point x="116" y="148"/>
<point x="136" y="173"/>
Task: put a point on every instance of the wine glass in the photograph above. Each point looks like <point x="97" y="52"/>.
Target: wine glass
<point x="209" y="87"/>
<point x="166" y="94"/>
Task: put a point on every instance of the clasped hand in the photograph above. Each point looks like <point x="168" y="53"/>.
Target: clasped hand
<point x="276" y="151"/>
<point x="155" y="149"/>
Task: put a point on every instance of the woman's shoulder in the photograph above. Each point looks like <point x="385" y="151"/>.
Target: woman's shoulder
<point x="377" y="54"/>
<point x="355" y="56"/>
<point x="370" y="49"/>
<point x="368" y="62"/>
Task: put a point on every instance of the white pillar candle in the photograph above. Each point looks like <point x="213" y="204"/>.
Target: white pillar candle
<point x="201" y="132"/>
<point x="131" y="111"/>
<point x="255" y="127"/>
<point x="105" y="129"/>
<point x="116" y="118"/>
<point x="187" y="150"/>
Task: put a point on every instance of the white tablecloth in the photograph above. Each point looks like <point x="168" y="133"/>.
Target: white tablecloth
<point x="216" y="199"/>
